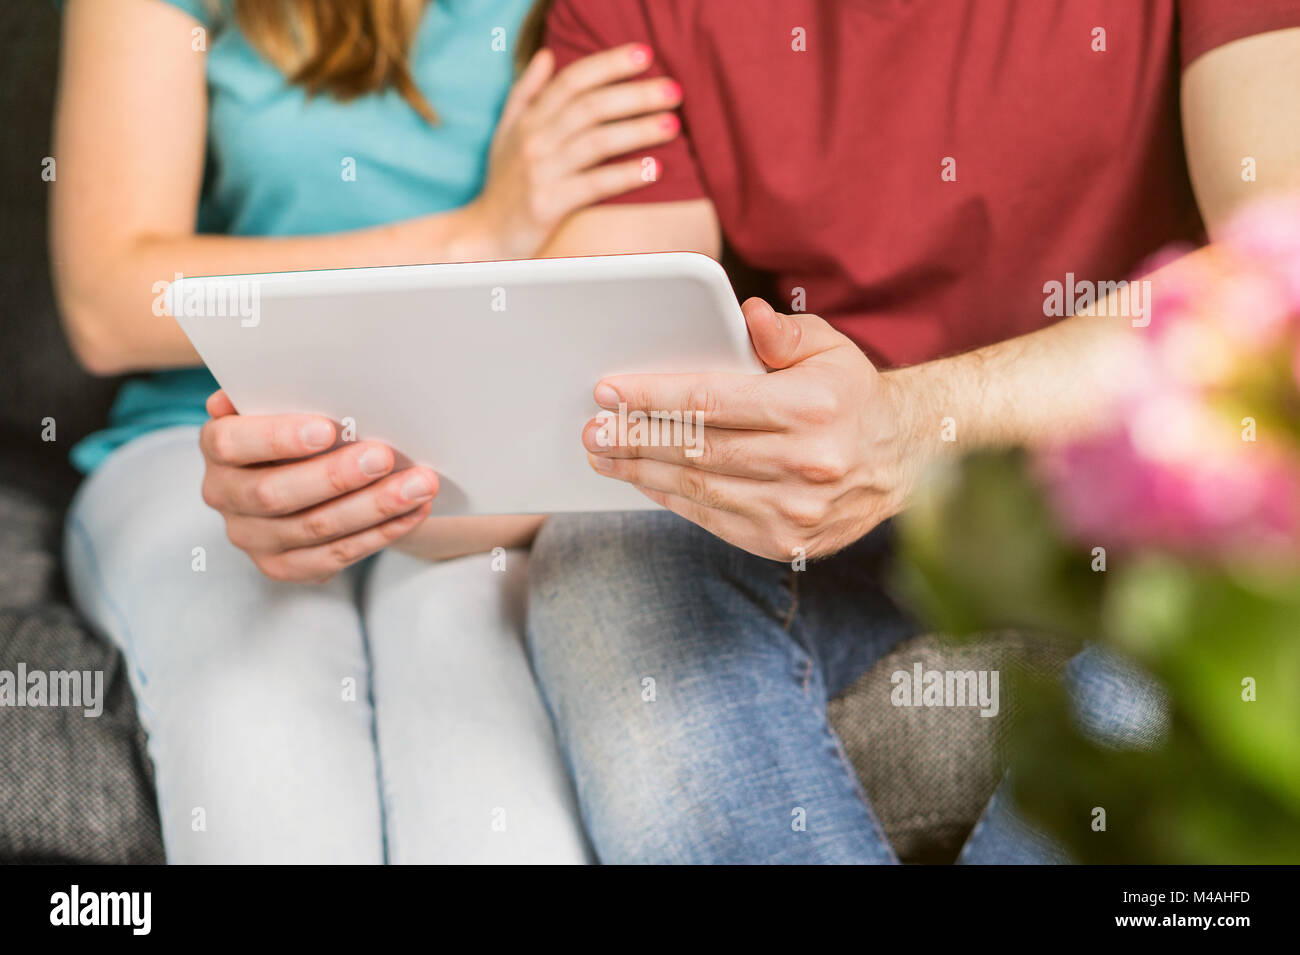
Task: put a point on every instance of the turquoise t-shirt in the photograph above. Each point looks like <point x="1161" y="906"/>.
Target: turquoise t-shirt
<point x="283" y="163"/>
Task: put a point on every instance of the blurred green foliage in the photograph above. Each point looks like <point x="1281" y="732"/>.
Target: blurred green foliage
<point x="981" y="551"/>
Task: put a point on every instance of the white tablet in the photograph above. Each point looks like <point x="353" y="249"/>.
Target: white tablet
<point x="483" y="371"/>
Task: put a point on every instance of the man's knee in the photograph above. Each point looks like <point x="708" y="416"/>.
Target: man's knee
<point x="1114" y="701"/>
<point x="607" y="551"/>
<point x="594" y="576"/>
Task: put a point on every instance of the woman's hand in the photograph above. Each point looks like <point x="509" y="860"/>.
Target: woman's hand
<point x="553" y="136"/>
<point x="300" y="507"/>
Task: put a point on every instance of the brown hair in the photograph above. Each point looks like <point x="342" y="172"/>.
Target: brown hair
<point x="348" y="48"/>
<point x="531" y="33"/>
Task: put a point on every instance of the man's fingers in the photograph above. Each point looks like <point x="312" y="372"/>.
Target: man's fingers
<point x="723" y="492"/>
<point x="344" y="516"/>
<point x="237" y="440"/>
<point x="751" y="454"/>
<point x="734" y="528"/>
<point x="714" y="400"/>
<point x="785" y="340"/>
<point x="325" y="560"/>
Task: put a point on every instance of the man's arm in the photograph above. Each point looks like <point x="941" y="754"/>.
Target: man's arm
<point x="1241" y="122"/>
<point x="1238" y="102"/>
<point x="808" y="459"/>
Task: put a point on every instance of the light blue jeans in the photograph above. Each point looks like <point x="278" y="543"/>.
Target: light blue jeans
<point x="689" y="684"/>
<point x="389" y="714"/>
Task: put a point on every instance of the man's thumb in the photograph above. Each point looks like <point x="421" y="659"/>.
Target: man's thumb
<point x="785" y="340"/>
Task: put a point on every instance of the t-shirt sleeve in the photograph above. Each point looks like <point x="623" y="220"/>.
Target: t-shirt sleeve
<point x="576" y="28"/>
<point x="201" y="10"/>
<point x="1205" y="25"/>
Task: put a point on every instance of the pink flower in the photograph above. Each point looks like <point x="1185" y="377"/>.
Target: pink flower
<point x="1268" y="228"/>
<point x="1107" y="494"/>
<point x="1268" y="232"/>
<point x="1177" y="474"/>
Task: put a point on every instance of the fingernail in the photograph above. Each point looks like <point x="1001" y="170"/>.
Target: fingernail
<point x="317" y="434"/>
<point x="669" y="122"/>
<point x="373" y="463"/>
<point x="640" y="54"/>
<point x="672" y="90"/>
<point x="416" y="487"/>
<point x="606" y="396"/>
<point x="596" y="439"/>
<point x="602" y="464"/>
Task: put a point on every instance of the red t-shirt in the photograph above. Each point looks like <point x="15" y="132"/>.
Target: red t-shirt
<point x="826" y="163"/>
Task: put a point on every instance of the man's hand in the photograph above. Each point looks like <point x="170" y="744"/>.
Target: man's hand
<point x="300" y="507"/>
<point x="802" y="461"/>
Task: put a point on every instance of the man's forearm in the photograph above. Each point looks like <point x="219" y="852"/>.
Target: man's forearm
<point x="1035" y="389"/>
<point x="1051" y="385"/>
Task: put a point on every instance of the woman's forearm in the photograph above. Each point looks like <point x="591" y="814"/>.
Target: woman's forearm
<point x="442" y="538"/>
<point x="109" y="297"/>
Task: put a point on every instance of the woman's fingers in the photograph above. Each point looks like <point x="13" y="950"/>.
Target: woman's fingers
<point x="323" y="561"/>
<point x="531" y="82"/>
<point x="219" y="404"/>
<point x="288" y="488"/>
<point x="590" y="72"/>
<point x="237" y="440"/>
<point x="593" y="111"/>
<point x="302" y="511"/>
<point x="340" y="517"/>
<point x="614" y="139"/>
<point x="588" y="188"/>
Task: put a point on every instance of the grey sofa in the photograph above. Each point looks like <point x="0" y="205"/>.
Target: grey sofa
<point x="71" y="789"/>
<point x="79" y="790"/>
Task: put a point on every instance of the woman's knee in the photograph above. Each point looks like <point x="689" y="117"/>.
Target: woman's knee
<point x="480" y="595"/>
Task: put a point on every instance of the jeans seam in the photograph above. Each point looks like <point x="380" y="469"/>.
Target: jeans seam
<point x="360" y="585"/>
<point x="794" y="602"/>
<point x="805" y="681"/>
<point x="837" y="745"/>
<point x="855" y="783"/>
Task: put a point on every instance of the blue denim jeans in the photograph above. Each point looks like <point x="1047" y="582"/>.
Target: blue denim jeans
<point x="689" y="681"/>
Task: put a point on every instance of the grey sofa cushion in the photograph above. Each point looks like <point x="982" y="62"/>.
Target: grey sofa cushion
<point x="32" y="496"/>
<point x="930" y="771"/>
<point x="72" y="788"/>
